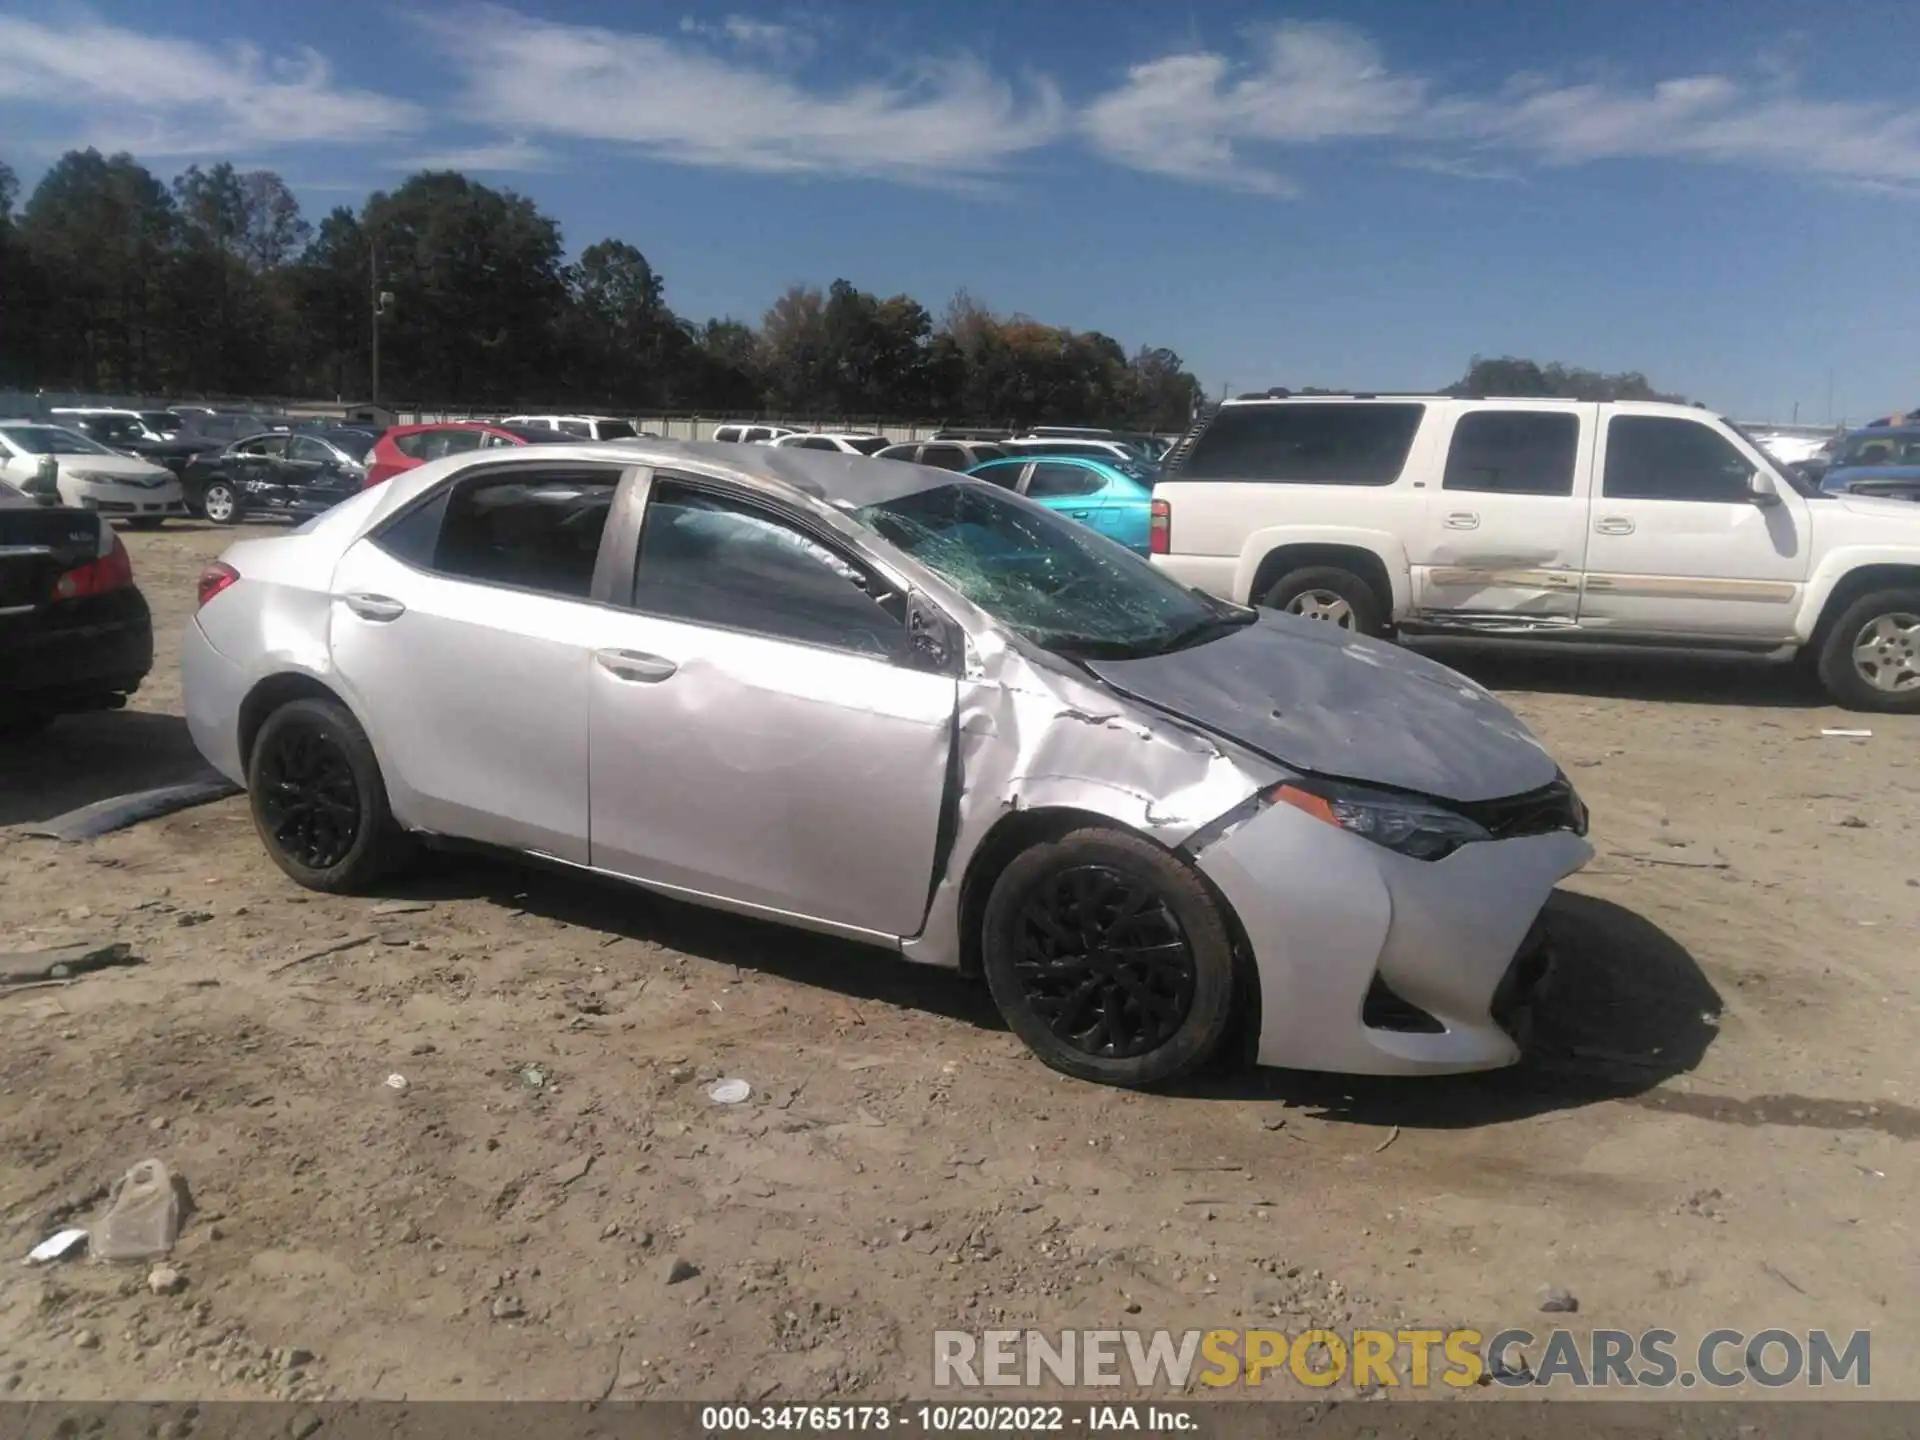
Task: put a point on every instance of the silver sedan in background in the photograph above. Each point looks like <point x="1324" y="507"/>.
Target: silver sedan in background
<point x="896" y="704"/>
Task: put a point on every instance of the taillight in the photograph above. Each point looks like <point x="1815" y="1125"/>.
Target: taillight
<point x="1160" y="528"/>
<point x="112" y="571"/>
<point x="215" y="578"/>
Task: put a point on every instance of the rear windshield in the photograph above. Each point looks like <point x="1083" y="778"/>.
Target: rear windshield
<point x="872" y="445"/>
<point x="616" y="430"/>
<point x="1344" y="444"/>
<point x="1889" y="447"/>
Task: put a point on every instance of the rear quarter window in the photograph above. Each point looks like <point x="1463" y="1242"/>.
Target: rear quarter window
<point x="1345" y="444"/>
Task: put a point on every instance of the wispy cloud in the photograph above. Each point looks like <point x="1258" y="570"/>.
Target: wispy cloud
<point x="1199" y="114"/>
<point x="678" y="99"/>
<point x="774" y="41"/>
<point x="121" y="88"/>
<point x="498" y="157"/>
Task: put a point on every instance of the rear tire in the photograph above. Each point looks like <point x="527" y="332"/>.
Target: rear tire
<point x="318" y="799"/>
<point x="1331" y="595"/>
<point x="1869" y="658"/>
<point x="1109" y="958"/>
<point x="220" y="503"/>
<point x="146" y="522"/>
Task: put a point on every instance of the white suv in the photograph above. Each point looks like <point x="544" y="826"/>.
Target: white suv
<point x="587" y="427"/>
<point x="845" y="442"/>
<point x="1544" y="520"/>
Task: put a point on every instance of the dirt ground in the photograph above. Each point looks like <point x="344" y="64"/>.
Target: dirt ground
<point x="1718" y="1130"/>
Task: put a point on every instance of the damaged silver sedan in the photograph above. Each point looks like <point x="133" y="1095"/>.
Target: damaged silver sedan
<point x="912" y="709"/>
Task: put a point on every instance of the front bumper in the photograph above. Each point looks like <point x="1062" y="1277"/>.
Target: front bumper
<point x="131" y="502"/>
<point x="1331" y="918"/>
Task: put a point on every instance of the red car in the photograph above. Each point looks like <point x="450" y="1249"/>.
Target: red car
<point x="405" y="446"/>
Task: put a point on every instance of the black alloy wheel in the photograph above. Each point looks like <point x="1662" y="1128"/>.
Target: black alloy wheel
<point x="309" y="800"/>
<point x="1104" y="962"/>
<point x="1111" y="957"/>
<point x="318" y="800"/>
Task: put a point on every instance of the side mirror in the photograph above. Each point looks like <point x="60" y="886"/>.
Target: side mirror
<point x="1760" y="489"/>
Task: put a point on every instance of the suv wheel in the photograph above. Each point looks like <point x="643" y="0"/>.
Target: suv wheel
<point x="1331" y="595"/>
<point x="1870" y="657"/>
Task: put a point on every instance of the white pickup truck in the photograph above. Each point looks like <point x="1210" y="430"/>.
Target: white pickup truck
<point x="1558" y="520"/>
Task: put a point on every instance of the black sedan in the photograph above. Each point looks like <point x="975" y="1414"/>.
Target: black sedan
<point x="298" y="476"/>
<point x="75" y="633"/>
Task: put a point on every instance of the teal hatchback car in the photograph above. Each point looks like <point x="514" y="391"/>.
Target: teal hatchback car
<point x="1112" y="497"/>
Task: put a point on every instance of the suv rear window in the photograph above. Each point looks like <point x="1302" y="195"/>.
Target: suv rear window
<point x="1345" y="444"/>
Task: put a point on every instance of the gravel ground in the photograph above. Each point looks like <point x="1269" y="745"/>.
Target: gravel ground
<point x="1718" y="1129"/>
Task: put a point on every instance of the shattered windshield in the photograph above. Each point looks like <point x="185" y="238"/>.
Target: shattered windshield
<point x="1059" y="584"/>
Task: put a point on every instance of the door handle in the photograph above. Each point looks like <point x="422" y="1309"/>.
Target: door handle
<point x="635" y="665"/>
<point x="1614" y="525"/>
<point x="374" y="607"/>
<point x="1079" y="514"/>
<point x="1463" y="520"/>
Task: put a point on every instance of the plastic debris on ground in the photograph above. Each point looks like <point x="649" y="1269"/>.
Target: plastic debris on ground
<point x="1846" y="734"/>
<point x="729" y="1092"/>
<point x="144" y="1219"/>
<point x="57" y="1246"/>
<point x="396" y="1081"/>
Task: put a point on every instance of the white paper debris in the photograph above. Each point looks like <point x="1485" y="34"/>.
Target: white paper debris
<point x="396" y="1081"/>
<point x="729" y="1092"/>
<point x="1846" y="734"/>
<point x="56" y="1247"/>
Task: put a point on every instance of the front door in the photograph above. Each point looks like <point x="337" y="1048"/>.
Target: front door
<point x="1677" y="543"/>
<point x="1506" y="532"/>
<point x="760" y="731"/>
<point x="458" y="629"/>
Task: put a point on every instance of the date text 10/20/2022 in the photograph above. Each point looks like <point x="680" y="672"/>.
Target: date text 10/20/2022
<point x="959" y="1419"/>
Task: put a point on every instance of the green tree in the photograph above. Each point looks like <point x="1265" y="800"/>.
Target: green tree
<point x="1508" y="376"/>
<point x="476" y="279"/>
<point x="99" y="228"/>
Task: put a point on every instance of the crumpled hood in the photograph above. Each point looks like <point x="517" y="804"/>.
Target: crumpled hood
<point x="1318" y="698"/>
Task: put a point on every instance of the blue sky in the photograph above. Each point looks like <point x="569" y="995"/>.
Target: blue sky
<point x="1725" y="195"/>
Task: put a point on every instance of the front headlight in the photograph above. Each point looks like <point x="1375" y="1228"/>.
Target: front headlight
<point x="89" y="477"/>
<point x="1420" y="829"/>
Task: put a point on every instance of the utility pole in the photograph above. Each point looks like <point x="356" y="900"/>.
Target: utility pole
<point x="373" y="292"/>
<point x="1829" y="394"/>
<point x="381" y="300"/>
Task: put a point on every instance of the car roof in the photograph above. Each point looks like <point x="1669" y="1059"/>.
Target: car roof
<point x="1383" y="397"/>
<point x="827" y="476"/>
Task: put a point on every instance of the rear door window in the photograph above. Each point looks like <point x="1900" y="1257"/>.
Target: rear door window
<point x="1306" y="444"/>
<point x="533" y="530"/>
<point x="945" y="457"/>
<point x="1660" y="457"/>
<point x="1005" y="473"/>
<point x="1513" y="452"/>
<point x="1051" y="482"/>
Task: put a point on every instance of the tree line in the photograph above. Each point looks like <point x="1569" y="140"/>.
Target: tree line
<point x="217" y="285"/>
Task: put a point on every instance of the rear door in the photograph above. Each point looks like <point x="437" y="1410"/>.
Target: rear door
<point x="460" y="628"/>
<point x="1076" y="491"/>
<point x="761" y="730"/>
<point x="1505" y="534"/>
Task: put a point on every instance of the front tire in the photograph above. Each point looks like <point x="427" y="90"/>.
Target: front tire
<point x="1331" y="595"/>
<point x="1869" y="658"/>
<point x="220" y="503"/>
<point x="1109" y="958"/>
<point x="318" y="800"/>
